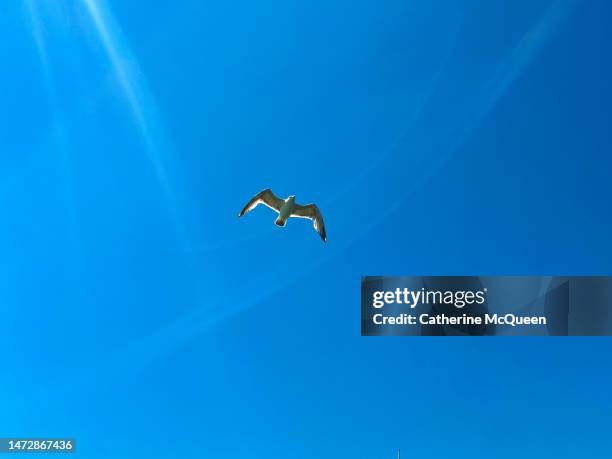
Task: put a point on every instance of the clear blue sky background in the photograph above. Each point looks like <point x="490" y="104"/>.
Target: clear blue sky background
<point x="142" y="318"/>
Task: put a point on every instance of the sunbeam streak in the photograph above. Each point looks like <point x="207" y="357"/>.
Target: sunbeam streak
<point x="507" y="73"/>
<point x="126" y="81"/>
<point x="140" y="100"/>
<point x="532" y="43"/>
<point x="58" y="128"/>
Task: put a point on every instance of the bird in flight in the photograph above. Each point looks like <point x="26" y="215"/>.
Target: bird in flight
<point x="287" y="208"/>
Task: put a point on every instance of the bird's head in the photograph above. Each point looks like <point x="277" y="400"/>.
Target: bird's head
<point x="291" y="198"/>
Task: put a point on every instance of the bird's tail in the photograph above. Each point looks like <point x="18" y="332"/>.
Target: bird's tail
<point x="280" y="221"/>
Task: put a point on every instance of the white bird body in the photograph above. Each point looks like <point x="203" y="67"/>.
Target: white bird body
<point x="285" y="211"/>
<point x="287" y="208"/>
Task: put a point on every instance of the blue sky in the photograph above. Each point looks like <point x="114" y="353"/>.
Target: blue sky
<point x="142" y="318"/>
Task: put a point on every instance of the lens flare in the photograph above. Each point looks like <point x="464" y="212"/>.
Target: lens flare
<point x="140" y="100"/>
<point x="57" y="114"/>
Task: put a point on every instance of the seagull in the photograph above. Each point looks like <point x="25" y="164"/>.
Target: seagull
<point x="287" y="208"/>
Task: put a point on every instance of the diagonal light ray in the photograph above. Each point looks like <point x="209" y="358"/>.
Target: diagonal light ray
<point x="140" y="100"/>
<point x="50" y="86"/>
<point x="58" y="118"/>
<point x="523" y="54"/>
<point x="60" y="141"/>
<point x="127" y="81"/>
<point x="507" y="73"/>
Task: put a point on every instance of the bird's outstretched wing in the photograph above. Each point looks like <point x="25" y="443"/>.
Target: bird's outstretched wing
<point x="312" y="212"/>
<point x="265" y="197"/>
